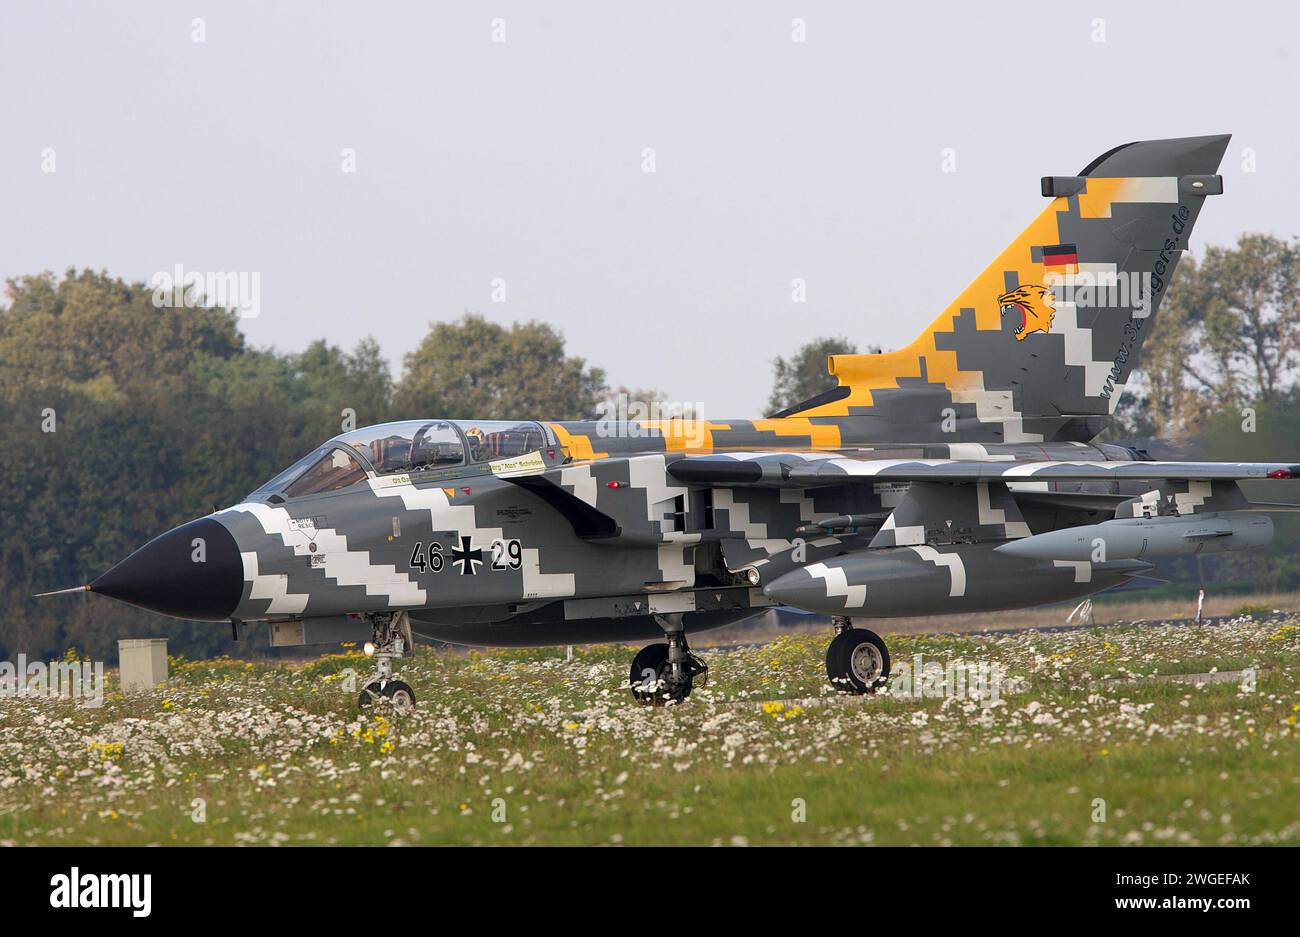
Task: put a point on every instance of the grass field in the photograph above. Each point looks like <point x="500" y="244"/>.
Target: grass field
<point x="519" y="747"/>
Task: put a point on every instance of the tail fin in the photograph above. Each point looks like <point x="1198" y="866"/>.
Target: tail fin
<point x="1040" y="345"/>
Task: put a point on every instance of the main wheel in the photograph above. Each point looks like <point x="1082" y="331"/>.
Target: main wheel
<point x="857" y="661"/>
<point x="648" y="677"/>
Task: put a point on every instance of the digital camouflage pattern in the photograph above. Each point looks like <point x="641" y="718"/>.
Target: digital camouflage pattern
<point x="887" y="495"/>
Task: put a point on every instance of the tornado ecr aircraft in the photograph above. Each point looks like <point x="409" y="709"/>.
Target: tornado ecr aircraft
<point x="954" y="475"/>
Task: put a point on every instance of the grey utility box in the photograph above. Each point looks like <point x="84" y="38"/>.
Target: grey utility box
<point x="142" y="663"/>
<point x="332" y="630"/>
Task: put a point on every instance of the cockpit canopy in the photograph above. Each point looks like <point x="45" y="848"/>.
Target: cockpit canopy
<point x="403" y="447"/>
<point x="407" y="447"/>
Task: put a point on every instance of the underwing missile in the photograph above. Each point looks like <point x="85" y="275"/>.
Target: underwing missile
<point x="841" y="522"/>
<point x="899" y="581"/>
<point x="1146" y="538"/>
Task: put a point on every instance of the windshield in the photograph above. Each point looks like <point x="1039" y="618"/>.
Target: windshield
<point x="336" y="469"/>
<point x="288" y="475"/>
<point x="409" y="446"/>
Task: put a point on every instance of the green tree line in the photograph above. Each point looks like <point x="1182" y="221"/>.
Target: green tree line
<point x="123" y="419"/>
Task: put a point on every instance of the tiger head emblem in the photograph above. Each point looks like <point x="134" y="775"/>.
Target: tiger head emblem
<point x="1036" y="305"/>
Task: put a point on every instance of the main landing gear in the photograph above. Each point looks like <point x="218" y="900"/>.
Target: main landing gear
<point x="857" y="661"/>
<point x="391" y="639"/>
<point x="666" y="673"/>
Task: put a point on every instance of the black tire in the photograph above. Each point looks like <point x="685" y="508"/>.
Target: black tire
<point x="369" y="693"/>
<point x="646" y="677"/>
<point x="647" y="667"/>
<point x="857" y="661"/>
<point x="400" y="695"/>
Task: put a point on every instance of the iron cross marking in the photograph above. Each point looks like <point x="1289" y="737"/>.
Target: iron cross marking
<point x="467" y="559"/>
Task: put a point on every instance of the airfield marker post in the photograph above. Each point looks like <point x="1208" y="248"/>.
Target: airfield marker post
<point x="142" y="663"/>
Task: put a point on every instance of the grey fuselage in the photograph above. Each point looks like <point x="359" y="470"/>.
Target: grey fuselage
<point x="543" y="549"/>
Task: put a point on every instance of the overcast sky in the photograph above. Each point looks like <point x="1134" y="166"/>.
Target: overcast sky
<point x="523" y="159"/>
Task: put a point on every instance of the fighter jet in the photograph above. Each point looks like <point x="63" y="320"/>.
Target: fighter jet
<point x="956" y="474"/>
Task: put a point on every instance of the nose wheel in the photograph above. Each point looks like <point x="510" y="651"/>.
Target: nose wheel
<point x="391" y="640"/>
<point x="857" y="660"/>
<point x="399" y="694"/>
<point x="666" y="673"/>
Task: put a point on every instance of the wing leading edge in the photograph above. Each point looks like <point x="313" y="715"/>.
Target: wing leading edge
<point x="806" y="470"/>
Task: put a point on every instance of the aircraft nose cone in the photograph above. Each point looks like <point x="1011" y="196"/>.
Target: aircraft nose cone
<point x="193" y="571"/>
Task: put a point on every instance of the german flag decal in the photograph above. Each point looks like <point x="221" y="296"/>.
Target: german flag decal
<point x="1060" y="255"/>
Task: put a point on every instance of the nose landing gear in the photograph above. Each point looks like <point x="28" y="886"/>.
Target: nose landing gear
<point x="664" y="673"/>
<point x="391" y="639"/>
